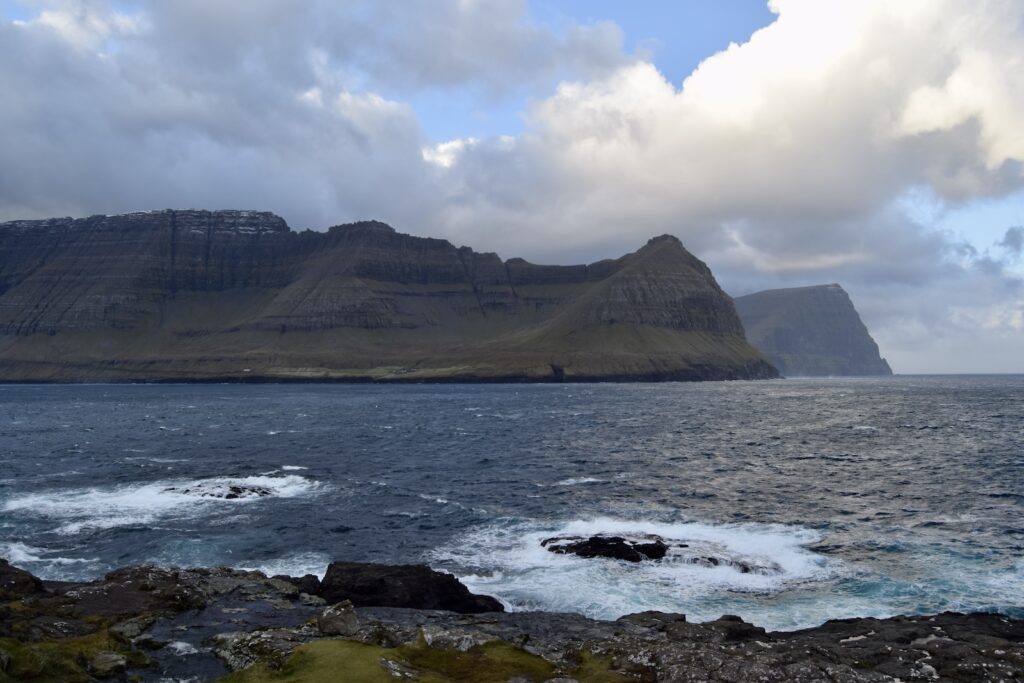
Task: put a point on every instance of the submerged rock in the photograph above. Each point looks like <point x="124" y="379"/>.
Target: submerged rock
<point x="612" y="547"/>
<point x="415" y="586"/>
<point x="231" y="492"/>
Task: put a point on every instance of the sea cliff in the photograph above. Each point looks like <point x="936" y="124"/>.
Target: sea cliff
<point x="811" y="332"/>
<point x="238" y="296"/>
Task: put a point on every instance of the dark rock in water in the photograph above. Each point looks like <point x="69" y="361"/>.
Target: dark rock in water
<point x="739" y="565"/>
<point x="17" y="583"/>
<point x="232" y="492"/>
<point x="810" y="331"/>
<point x="612" y="547"/>
<point x="416" y="586"/>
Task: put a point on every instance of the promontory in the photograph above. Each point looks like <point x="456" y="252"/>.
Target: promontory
<point x="190" y="295"/>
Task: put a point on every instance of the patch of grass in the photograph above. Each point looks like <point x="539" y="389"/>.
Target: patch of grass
<point x="328" y="661"/>
<point x="53" y="661"/>
<point x="596" y="670"/>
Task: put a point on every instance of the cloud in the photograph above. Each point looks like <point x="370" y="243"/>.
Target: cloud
<point x="1013" y="240"/>
<point x="787" y="159"/>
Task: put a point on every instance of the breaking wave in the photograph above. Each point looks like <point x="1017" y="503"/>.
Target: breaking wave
<point x="143" y="504"/>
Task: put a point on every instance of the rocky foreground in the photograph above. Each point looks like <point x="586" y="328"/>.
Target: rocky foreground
<point x="367" y="622"/>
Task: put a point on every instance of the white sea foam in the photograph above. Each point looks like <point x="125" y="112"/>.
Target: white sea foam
<point x="183" y="649"/>
<point x="506" y="559"/>
<point x="293" y="468"/>
<point x="143" y="504"/>
<point x="21" y="554"/>
<point x="298" y="564"/>
<point x="575" y="481"/>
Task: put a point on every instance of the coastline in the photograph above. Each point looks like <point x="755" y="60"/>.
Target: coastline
<point x="410" y="622"/>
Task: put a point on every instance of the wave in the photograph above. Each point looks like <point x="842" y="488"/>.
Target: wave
<point x="144" y="504"/>
<point x="574" y="481"/>
<point x="506" y="559"/>
<point x="298" y="564"/>
<point x="38" y="560"/>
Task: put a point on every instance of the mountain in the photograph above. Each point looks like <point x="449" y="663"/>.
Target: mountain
<point x="810" y="331"/>
<point x="237" y="295"/>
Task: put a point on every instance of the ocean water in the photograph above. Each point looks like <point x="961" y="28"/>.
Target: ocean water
<point x="850" y="497"/>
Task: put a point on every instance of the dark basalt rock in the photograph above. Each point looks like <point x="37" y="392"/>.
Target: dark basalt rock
<point x="251" y="619"/>
<point x="415" y="586"/>
<point x="308" y="584"/>
<point x="17" y="583"/>
<point x="611" y="547"/>
<point x="232" y="492"/>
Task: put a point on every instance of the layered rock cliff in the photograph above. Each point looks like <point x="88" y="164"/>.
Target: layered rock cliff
<point x="810" y="331"/>
<point x="237" y="295"/>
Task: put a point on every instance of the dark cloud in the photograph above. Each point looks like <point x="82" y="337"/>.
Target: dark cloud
<point x="1013" y="240"/>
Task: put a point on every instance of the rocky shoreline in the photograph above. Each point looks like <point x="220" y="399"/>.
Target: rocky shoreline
<point x="367" y="622"/>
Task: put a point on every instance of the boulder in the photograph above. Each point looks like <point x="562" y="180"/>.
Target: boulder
<point x="414" y="586"/>
<point x="611" y="547"/>
<point x="17" y="583"/>
<point x="308" y="584"/>
<point x="107" y="664"/>
<point x="338" y="620"/>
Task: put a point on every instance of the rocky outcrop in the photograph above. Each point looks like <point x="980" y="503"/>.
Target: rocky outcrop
<point x="17" y="583"/>
<point x="610" y="547"/>
<point x="201" y="624"/>
<point x="810" y="332"/>
<point x="417" y="586"/>
<point x="237" y="295"/>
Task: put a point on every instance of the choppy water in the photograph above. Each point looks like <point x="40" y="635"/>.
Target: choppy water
<point x="863" y="497"/>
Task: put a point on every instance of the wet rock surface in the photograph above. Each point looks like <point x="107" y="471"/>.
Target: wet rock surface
<point x="230" y="492"/>
<point x="416" y="586"/>
<point x="153" y="624"/>
<point x="611" y="547"/>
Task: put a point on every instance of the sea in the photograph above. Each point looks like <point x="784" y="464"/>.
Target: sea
<point x="816" y="498"/>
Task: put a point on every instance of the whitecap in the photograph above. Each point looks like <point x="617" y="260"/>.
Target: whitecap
<point x="40" y="561"/>
<point x="143" y="504"/>
<point x="575" y="481"/>
<point x="293" y="468"/>
<point x="298" y="564"/>
<point x="505" y="559"/>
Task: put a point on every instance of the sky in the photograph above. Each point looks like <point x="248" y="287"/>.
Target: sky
<point x="872" y="143"/>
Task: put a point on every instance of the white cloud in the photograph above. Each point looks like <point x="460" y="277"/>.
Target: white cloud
<point x="782" y="160"/>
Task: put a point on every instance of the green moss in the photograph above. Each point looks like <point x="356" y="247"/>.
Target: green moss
<point x="56" y="661"/>
<point x="495" y="661"/>
<point x="596" y="670"/>
<point x="326" y="661"/>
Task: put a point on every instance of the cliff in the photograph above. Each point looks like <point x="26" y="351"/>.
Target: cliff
<point x="237" y="295"/>
<point x="810" y="331"/>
